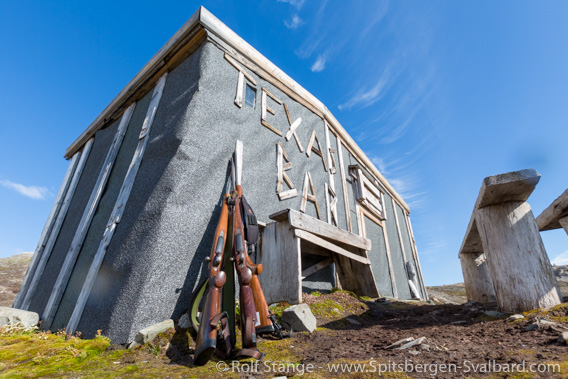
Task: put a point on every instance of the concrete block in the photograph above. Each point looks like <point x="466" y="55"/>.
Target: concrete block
<point x="300" y="317"/>
<point x="15" y="316"/>
<point x="148" y="334"/>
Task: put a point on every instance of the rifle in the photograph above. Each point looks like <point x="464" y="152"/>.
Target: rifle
<point x="238" y="220"/>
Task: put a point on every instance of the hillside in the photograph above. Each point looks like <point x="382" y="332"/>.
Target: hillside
<point x="12" y="271"/>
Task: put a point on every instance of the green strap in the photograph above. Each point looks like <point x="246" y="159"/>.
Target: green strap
<point x="193" y="309"/>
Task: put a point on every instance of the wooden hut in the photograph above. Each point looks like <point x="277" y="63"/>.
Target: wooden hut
<point x="124" y="246"/>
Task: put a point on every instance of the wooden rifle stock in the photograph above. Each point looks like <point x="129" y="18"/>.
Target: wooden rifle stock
<point x="207" y="335"/>
<point x="244" y="273"/>
<point x="259" y="300"/>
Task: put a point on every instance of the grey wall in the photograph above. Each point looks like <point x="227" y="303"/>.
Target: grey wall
<point x="399" y="268"/>
<point x="103" y="139"/>
<point x="102" y="214"/>
<point x="378" y="257"/>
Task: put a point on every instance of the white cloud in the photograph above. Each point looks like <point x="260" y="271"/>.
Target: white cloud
<point x="295" y="23"/>
<point x="319" y="64"/>
<point x="380" y="163"/>
<point x="561" y="259"/>
<point x="368" y="97"/>
<point x="33" y="192"/>
<point x="295" y="3"/>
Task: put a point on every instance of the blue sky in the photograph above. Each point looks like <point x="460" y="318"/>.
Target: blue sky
<point x="438" y="94"/>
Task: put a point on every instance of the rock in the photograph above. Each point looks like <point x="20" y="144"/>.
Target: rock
<point x="425" y="347"/>
<point x="494" y="313"/>
<point x="399" y="343"/>
<point x="15" y="316"/>
<point x="4" y="321"/>
<point x="546" y="323"/>
<point x="563" y="338"/>
<point x="184" y="321"/>
<point x="412" y="343"/>
<point x="133" y="345"/>
<point x="541" y="324"/>
<point x="300" y="317"/>
<point x="458" y="322"/>
<point x="352" y="321"/>
<point x="414" y="352"/>
<point x="515" y="318"/>
<point x="148" y="334"/>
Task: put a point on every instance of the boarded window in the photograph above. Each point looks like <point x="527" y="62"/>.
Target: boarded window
<point x="367" y="193"/>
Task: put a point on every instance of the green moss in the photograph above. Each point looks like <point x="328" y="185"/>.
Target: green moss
<point x="327" y="308"/>
<point x="315" y="293"/>
<point x="277" y="309"/>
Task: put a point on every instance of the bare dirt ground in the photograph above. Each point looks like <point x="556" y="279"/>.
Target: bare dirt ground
<point x="460" y="340"/>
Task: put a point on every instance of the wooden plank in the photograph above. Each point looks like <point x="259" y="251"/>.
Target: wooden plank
<point x="310" y="224"/>
<point x="416" y="258"/>
<point x="317" y="267"/>
<point x="327" y="203"/>
<point x="240" y="68"/>
<point x="389" y="260"/>
<point x="355" y="276"/>
<point x="318" y="150"/>
<point x="521" y="272"/>
<point x="279" y="179"/>
<point x="304" y="194"/>
<point x="83" y="227"/>
<point x="344" y="184"/>
<point x="270" y="127"/>
<point x="48" y="248"/>
<point x="272" y="96"/>
<point x="119" y="207"/>
<point x="293" y="128"/>
<point x="329" y="246"/>
<point x="288" y="117"/>
<point x="287" y="194"/>
<point x="284" y="154"/>
<point x="262" y="105"/>
<point x="332" y="165"/>
<point x="511" y="186"/>
<point x="403" y="250"/>
<point x="48" y="230"/>
<point x="287" y="180"/>
<point x="278" y="244"/>
<point x="477" y="279"/>
<point x="564" y="223"/>
<point x="311" y="144"/>
<point x="314" y="199"/>
<point x="294" y="132"/>
<point x="240" y="90"/>
<point x="549" y="218"/>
